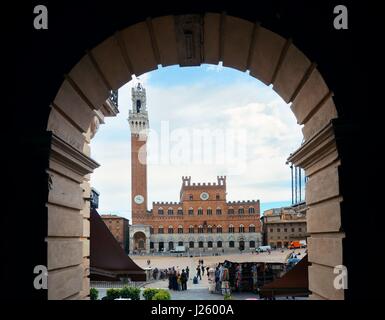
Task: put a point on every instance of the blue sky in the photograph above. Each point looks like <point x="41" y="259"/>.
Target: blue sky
<point x="190" y="100"/>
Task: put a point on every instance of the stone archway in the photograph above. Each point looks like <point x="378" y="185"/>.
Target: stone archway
<point x="139" y="242"/>
<point x="83" y="101"/>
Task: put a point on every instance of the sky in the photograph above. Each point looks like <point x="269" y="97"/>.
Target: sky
<point x="205" y="122"/>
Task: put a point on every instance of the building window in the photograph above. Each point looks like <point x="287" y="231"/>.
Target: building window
<point x="241" y="210"/>
<point x="299" y="229"/>
<point x="209" y="229"/>
<point x="209" y="244"/>
<point x="209" y="212"/>
<point x="251" y="228"/>
<point x="219" y="229"/>
<point x="190" y="197"/>
<point x="200" y="211"/>
<point x="219" y="244"/>
<point x="151" y="245"/>
<point x="180" y="243"/>
<point x="180" y="211"/>
<point x="217" y="197"/>
<point x="170" y="211"/>
<point x="191" y="212"/>
<point x="231" y="244"/>
<point x="241" y="228"/>
<point x="292" y="230"/>
<point x="170" y="229"/>
<point x="271" y="229"/>
<point x="160" y="230"/>
<point x="180" y="229"/>
<point x="170" y="245"/>
<point x="231" y="228"/>
<point x="200" y="229"/>
<point x="219" y="211"/>
<point x="191" y="244"/>
<point x="151" y="230"/>
<point x="200" y="244"/>
<point x="285" y="230"/>
<point x="278" y="229"/>
<point x="251" y="210"/>
<point x="191" y="229"/>
<point x="230" y="211"/>
<point x="252" y="244"/>
<point x="160" y="211"/>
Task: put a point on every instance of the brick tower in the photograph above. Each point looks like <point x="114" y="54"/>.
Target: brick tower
<point x="139" y="124"/>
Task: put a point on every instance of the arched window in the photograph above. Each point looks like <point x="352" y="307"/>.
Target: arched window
<point x="219" y="244"/>
<point x="200" y="211"/>
<point x="170" y="211"/>
<point x="219" y="211"/>
<point x="180" y="211"/>
<point x="180" y="243"/>
<point x="200" y="244"/>
<point x="252" y="244"/>
<point x="170" y="245"/>
<point x="251" y="210"/>
<point x="200" y="229"/>
<point x="251" y="228"/>
<point x="241" y="210"/>
<point x="160" y="229"/>
<point x="231" y="244"/>
<point x="209" y="211"/>
<point x="230" y="210"/>
<point x="160" y="211"/>
<point x="170" y="229"/>
<point x="180" y="229"/>
<point x="191" y="229"/>
<point x="151" y="230"/>
<point x="209" y="229"/>
<point x="191" y="211"/>
<point x="209" y="244"/>
<point x="219" y="229"/>
<point x="241" y="228"/>
<point x="231" y="228"/>
<point x="191" y="244"/>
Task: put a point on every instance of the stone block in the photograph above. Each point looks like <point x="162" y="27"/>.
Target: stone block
<point x="111" y="62"/>
<point x="164" y="32"/>
<point x="321" y="280"/>
<point x="320" y="119"/>
<point x="65" y="192"/>
<point x="64" y="253"/>
<point x="63" y="222"/>
<point x="324" y="217"/>
<point x="90" y="82"/>
<point x="325" y="249"/>
<point x="311" y="94"/>
<point x="291" y="72"/>
<point x="323" y="185"/>
<point x="139" y="48"/>
<point x="61" y="127"/>
<point x="237" y="39"/>
<point x="265" y="56"/>
<point x="64" y="283"/>
<point x="212" y="38"/>
<point x="75" y="108"/>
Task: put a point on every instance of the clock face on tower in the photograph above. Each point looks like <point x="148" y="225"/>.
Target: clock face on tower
<point x="139" y="199"/>
<point x="204" y="195"/>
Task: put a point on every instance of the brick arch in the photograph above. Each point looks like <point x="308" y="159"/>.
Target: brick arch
<point x="82" y="103"/>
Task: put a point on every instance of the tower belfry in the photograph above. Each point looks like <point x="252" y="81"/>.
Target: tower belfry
<point x="139" y="124"/>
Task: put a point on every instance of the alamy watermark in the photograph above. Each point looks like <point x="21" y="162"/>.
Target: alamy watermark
<point x="41" y="280"/>
<point x="341" y="280"/>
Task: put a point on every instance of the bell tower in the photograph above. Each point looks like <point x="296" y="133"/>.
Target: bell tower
<point x="139" y="124"/>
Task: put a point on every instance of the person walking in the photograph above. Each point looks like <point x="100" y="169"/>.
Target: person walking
<point x="199" y="273"/>
<point x="207" y="271"/>
<point x="187" y="273"/>
<point x="184" y="279"/>
<point x="203" y="270"/>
